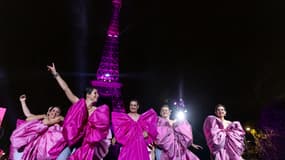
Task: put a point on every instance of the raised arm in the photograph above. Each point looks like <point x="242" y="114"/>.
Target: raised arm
<point x="26" y="110"/>
<point x="72" y="98"/>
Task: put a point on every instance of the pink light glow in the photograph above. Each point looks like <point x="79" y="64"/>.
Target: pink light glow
<point x="107" y="81"/>
<point x="2" y="114"/>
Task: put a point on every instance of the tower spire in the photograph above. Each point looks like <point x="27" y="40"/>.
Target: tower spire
<point x="107" y="81"/>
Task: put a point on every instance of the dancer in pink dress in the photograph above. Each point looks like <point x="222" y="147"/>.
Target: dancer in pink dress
<point x="85" y="124"/>
<point x="33" y="139"/>
<point x="225" y="139"/>
<point x="174" y="137"/>
<point x="135" y="132"/>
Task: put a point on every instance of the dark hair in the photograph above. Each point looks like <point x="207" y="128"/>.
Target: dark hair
<point x="219" y="105"/>
<point x="134" y="100"/>
<point x="89" y="90"/>
<point x="52" y="107"/>
<point x="165" y="105"/>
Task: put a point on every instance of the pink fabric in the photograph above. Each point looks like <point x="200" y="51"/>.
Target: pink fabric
<point x="36" y="138"/>
<point x="174" y="140"/>
<point x="130" y="134"/>
<point x="74" y="122"/>
<point x="92" y="129"/>
<point x="73" y="127"/>
<point x="57" y="148"/>
<point x="12" y="149"/>
<point x="95" y="143"/>
<point x="224" y="143"/>
<point x="2" y="114"/>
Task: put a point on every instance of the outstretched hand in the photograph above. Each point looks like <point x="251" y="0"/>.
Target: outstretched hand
<point x="52" y="69"/>
<point x="113" y="141"/>
<point x="22" y="97"/>
<point x="198" y="147"/>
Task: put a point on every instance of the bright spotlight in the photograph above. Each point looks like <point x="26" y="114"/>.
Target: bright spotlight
<point x="247" y="129"/>
<point x="107" y="75"/>
<point x="180" y="115"/>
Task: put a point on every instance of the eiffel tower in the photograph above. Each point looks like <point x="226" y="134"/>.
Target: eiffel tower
<point x="107" y="81"/>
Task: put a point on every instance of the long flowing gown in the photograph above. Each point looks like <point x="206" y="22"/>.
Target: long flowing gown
<point x="91" y="130"/>
<point x="175" y="140"/>
<point x="35" y="139"/>
<point x="224" y="143"/>
<point x="129" y="133"/>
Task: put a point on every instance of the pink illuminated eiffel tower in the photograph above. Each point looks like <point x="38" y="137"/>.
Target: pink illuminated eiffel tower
<point x="107" y="81"/>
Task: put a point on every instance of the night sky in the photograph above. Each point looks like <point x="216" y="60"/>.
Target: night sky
<point x="229" y="52"/>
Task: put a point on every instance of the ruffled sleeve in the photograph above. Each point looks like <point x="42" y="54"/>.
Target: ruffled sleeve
<point x="165" y="137"/>
<point x="214" y="134"/>
<point x="27" y="132"/>
<point x="122" y="126"/>
<point x="148" y="121"/>
<point x="12" y="149"/>
<point x="235" y="141"/>
<point x="74" y="122"/>
<point x="230" y="138"/>
<point x="183" y="131"/>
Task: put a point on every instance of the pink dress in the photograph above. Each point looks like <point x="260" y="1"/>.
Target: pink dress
<point x="12" y="150"/>
<point x="175" y="140"/>
<point x="93" y="130"/>
<point x="36" y="139"/>
<point x="130" y="134"/>
<point x="224" y="143"/>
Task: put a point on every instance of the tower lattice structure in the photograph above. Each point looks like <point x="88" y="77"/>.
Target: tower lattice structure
<point x="107" y="81"/>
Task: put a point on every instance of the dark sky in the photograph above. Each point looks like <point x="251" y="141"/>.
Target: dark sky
<point x="222" y="51"/>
